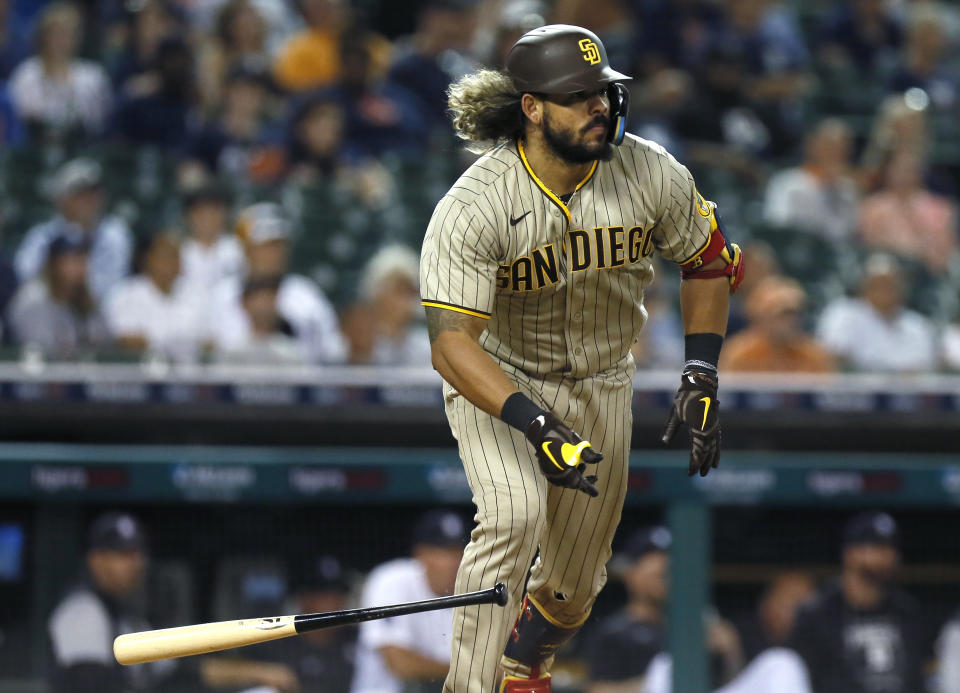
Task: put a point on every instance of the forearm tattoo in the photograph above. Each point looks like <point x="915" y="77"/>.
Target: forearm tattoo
<point x="443" y="320"/>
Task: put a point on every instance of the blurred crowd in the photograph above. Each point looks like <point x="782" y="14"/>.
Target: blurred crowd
<point x="248" y="181"/>
<point x="852" y="630"/>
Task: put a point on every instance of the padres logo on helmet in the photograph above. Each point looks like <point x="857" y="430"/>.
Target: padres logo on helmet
<point x="560" y="59"/>
<point x="590" y="52"/>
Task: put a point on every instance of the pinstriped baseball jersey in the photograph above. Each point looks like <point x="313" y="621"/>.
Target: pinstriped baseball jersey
<point x="561" y="283"/>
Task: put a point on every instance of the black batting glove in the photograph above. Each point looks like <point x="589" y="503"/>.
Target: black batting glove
<point x="695" y="405"/>
<point x="562" y="454"/>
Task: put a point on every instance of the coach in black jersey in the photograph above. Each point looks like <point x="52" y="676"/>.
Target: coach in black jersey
<point x="862" y="634"/>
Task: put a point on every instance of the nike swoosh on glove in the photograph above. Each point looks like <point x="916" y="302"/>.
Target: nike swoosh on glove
<point x="695" y="405"/>
<point x="562" y="454"/>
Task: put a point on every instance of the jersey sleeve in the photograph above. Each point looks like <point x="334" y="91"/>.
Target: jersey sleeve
<point x="80" y="632"/>
<point x="458" y="263"/>
<point x="687" y="221"/>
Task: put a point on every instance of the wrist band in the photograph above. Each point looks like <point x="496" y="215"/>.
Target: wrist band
<point x="702" y="352"/>
<point x="519" y="411"/>
<point x="699" y="366"/>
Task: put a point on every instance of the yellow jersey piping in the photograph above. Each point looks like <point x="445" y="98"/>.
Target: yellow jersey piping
<point x="547" y="191"/>
<point x="458" y="309"/>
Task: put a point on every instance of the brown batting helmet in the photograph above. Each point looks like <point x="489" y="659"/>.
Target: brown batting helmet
<point x="560" y="59"/>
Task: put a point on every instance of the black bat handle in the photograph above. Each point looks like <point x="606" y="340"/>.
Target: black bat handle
<point x="307" y="622"/>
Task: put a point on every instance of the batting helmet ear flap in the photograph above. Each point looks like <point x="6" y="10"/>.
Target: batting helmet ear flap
<point x="619" y="110"/>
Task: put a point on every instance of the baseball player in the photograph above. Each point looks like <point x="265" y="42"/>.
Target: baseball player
<point x="533" y="270"/>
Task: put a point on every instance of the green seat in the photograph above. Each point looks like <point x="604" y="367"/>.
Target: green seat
<point x="820" y="265"/>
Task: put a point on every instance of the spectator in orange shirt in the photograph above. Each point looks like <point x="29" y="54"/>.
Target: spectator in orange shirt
<point x="311" y="59"/>
<point x="775" y="339"/>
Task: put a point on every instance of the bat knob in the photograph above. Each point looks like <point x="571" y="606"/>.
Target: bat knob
<point x="500" y="594"/>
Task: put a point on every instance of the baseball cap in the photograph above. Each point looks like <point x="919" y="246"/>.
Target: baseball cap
<point x="256" y="283"/>
<point x="263" y="222"/>
<point x="116" y="531"/>
<point x="321" y="574"/>
<point x="66" y="243"/>
<point x="872" y="527"/>
<point x="209" y="191"/>
<point x="647" y="540"/>
<point x="441" y="528"/>
<point x="881" y="265"/>
<point x="76" y="175"/>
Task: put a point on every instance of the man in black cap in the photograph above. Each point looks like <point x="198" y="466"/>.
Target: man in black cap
<point x="77" y="191"/>
<point x="56" y="312"/>
<point x="210" y="252"/>
<point x="862" y="634"/>
<point x="397" y="653"/>
<point x="100" y="607"/>
<point x="320" y="661"/>
<point x="624" y="644"/>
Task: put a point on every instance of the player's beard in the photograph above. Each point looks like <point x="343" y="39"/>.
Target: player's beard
<point x="563" y="145"/>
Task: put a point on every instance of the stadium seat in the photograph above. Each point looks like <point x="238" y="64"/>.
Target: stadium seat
<point x="812" y="260"/>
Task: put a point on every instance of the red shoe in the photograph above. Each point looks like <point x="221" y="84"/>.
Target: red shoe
<point x="514" y="684"/>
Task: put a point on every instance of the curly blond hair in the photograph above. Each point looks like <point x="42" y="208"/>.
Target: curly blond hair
<point x="485" y="107"/>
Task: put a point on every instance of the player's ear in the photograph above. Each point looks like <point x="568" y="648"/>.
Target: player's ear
<point x="532" y="108"/>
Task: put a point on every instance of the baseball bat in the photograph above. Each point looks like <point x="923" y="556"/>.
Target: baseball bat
<point x="167" y="643"/>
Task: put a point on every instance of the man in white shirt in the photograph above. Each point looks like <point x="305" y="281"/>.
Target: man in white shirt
<point x="385" y="327"/>
<point x="155" y="311"/>
<point x="777" y="670"/>
<point x="948" y="656"/>
<point x="54" y="89"/>
<point x="265" y="233"/>
<point x="208" y="254"/>
<point x="77" y="189"/>
<point x="818" y="196"/>
<point x="876" y="332"/>
<point x="397" y="652"/>
<point x="101" y="605"/>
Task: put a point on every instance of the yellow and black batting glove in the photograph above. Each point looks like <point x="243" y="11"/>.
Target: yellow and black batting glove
<point x="562" y="454"/>
<point x="696" y="406"/>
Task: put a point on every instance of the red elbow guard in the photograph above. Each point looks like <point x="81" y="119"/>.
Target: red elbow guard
<point x="718" y="247"/>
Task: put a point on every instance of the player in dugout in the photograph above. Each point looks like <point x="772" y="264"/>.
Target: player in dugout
<point x="100" y="606"/>
<point x="533" y="271"/>
<point x="109" y="600"/>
